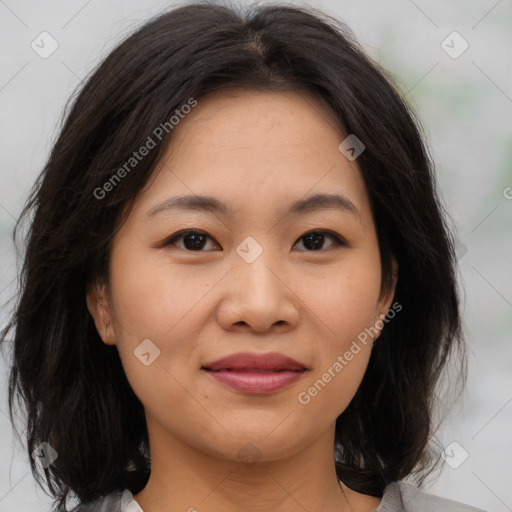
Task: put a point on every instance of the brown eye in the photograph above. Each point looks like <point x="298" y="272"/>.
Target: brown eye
<point x="314" y="240"/>
<point x="196" y="241"/>
<point x="193" y="240"/>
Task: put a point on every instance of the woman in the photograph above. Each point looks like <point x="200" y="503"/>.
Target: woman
<point x="238" y="290"/>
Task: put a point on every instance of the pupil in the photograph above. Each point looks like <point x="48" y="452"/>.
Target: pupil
<point x="315" y="244"/>
<point x="197" y="241"/>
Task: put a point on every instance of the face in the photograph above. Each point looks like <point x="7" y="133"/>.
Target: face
<point x="264" y="268"/>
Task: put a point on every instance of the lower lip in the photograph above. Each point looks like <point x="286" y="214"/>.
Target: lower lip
<point x="256" y="382"/>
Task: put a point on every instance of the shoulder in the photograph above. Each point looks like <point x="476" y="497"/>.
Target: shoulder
<point x="116" y="501"/>
<point x="404" y="497"/>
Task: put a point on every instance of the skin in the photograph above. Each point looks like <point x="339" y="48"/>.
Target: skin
<point x="257" y="152"/>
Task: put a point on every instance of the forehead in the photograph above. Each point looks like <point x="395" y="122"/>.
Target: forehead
<point x="231" y="117"/>
<point x="263" y="147"/>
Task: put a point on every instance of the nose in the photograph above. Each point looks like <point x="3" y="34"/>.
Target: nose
<point x="257" y="298"/>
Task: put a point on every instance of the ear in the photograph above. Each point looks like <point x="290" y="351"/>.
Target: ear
<point x="98" y="306"/>
<point x="386" y="297"/>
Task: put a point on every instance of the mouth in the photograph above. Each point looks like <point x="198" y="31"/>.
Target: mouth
<point x="255" y="362"/>
<point x="254" y="370"/>
<point x="256" y="373"/>
<point x="256" y="381"/>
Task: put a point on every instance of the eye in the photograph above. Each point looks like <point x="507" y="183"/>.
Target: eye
<point x="314" y="240"/>
<point x="195" y="240"/>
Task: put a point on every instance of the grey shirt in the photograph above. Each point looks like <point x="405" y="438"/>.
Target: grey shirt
<point x="397" y="497"/>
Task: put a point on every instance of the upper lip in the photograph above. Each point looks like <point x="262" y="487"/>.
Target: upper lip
<point x="271" y="361"/>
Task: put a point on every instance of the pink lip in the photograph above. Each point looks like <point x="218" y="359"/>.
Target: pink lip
<point x="246" y="361"/>
<point x="256" y="382"/>
<point x="251" y="372"/>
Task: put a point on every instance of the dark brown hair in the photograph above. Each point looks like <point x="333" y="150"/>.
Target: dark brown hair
<point x="73" y="386"/>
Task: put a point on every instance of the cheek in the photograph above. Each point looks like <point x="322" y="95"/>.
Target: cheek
<point x="153" y="302"/>
<point x="150" y="297"/>
<point x="346" y="301"/>
<point x="346" y="308"/>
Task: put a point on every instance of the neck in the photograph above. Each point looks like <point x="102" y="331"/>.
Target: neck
<point x="184" y="478"/>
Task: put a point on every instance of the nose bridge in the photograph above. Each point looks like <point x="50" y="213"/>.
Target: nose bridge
<point x="255" y="267"/>
<point x="257" y="295"/>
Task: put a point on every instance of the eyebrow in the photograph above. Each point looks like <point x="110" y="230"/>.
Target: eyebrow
<point x="211" y="204"/>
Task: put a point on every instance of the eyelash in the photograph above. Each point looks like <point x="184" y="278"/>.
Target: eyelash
<point x="338" y="240"/>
